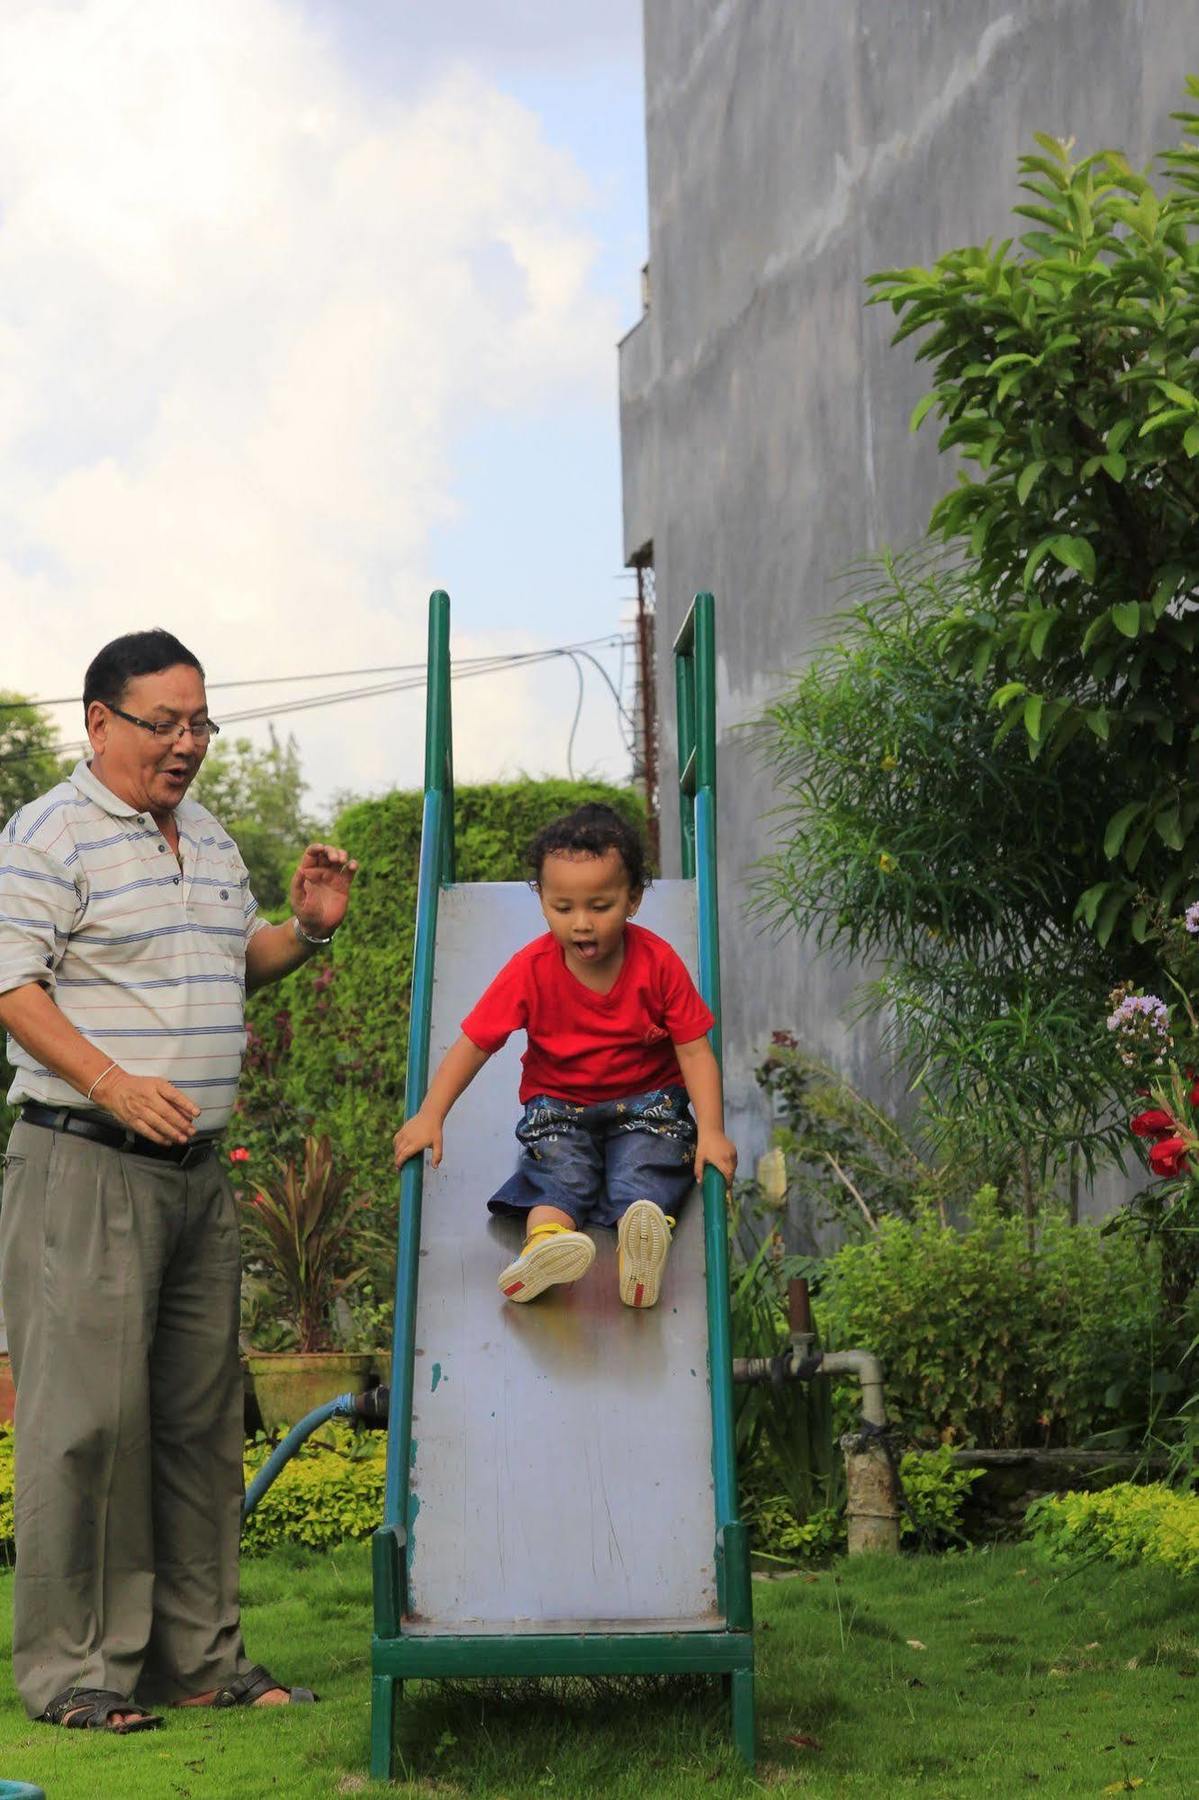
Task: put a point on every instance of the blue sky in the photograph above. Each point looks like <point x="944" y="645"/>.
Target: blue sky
<point x="538" y="538"/>
<point x="305" y="307"/>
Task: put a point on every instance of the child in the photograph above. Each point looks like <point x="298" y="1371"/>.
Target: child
<point x="616" y="1045"/>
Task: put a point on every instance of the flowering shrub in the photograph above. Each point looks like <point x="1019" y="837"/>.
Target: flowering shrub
<point x="1141" y="1023"/>
<point x="1158" y="1043"/>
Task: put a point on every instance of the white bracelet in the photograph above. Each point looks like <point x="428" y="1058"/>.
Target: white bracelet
<point x="305" y="937"/>
<point x="99" y="1079"/>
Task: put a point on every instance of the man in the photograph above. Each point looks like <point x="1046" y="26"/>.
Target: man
<point x="128" y="940"/>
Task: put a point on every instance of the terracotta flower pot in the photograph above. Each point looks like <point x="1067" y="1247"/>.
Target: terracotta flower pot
<point x="8" y="1393"/>
<point x="290" y="1385"/>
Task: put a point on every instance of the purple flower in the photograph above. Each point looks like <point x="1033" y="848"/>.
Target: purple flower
<point x="1142" y="1022"/>
<point x="1191" y="918"/>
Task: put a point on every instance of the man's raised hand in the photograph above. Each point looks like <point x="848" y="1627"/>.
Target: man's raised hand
<point x="320" y="888"/>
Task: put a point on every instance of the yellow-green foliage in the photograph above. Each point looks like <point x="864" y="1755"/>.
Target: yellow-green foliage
<point x="6" y="1483"/>
<point x="1125" y="1524"/>
<point x="331" y="1491"/>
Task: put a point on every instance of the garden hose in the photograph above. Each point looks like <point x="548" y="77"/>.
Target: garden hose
<point x="20" y="1790"/>
<point x="369" y="1408"/>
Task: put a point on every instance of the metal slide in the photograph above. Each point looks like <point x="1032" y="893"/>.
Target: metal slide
<point x="561" y="1487"/>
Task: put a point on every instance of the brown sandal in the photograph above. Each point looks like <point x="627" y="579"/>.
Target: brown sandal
<point x="245" y="1689"/>
<point x="90" y="1709"/>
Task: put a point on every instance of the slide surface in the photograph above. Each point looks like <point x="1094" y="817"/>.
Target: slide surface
<point x="561" y="1461"/>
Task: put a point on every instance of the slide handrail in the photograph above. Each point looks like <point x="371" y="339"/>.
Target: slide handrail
<point x="436" y="869"/>
<point x="695" y="690"/>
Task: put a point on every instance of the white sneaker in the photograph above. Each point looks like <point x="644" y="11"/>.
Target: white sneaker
<point x="643" y="1235"/>
<point x="552" y="1253"/>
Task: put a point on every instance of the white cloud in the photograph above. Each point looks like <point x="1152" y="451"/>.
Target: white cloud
<point x="244" y="310"/>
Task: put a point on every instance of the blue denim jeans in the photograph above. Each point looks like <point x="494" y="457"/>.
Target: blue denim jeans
<point x="592" y="1162"/>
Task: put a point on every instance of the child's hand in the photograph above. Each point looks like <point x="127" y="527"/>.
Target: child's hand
<point x="713" y="1147"/>
<point x="418" y="1133"/>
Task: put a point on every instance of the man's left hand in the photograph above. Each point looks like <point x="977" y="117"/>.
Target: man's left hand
<point x="320" y="888"/>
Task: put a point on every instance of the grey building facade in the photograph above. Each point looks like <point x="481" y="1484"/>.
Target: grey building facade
<point x="794" y="147"/>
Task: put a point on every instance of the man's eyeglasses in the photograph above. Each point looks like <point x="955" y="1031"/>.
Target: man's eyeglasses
<point x="173" y="730"/>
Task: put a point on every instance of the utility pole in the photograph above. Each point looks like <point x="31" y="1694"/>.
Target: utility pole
<point x="646" y="770"/>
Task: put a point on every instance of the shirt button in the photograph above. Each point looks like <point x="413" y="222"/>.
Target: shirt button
<point x="176" y="881"/>
<point x="161" y="848"/>
<point x="140" y="819"/>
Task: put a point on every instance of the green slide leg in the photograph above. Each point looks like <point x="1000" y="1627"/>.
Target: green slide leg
<point x="385" y="1696"/>
<point x="743" y="1714"/>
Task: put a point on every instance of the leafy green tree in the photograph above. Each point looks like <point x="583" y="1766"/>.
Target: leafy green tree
<point x="30" y="761"/>
<point x="1066" y="382"/>
<point x="258" y="795"/>
<point x="909" y="837"/>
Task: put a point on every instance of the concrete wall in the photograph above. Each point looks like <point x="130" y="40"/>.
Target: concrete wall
<point x="795" y="146"/>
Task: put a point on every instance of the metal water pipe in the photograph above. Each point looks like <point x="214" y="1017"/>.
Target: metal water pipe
<point x="872" y="1486"/>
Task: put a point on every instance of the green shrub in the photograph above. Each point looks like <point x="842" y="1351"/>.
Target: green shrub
<point x="784" y="1433"/>
<point x="934" y="1488"/>
<point x="935" y="1491"/>
<point x="778" y="1534"/>
<point x="331" y="1491"/>
<point x="987" y="1343"/>
<point x="1124" y="1524"/>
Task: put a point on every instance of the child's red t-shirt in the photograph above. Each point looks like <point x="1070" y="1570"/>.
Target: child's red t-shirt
<point x="585" y="1046"/>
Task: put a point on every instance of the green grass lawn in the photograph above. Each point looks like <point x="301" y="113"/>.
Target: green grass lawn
<point x="1016" y="1683"/>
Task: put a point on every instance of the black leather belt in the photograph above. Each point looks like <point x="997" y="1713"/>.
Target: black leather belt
<point x="115" y="1137"/>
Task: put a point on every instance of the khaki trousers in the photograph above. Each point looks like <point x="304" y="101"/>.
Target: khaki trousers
<point x="120" y="1279"/>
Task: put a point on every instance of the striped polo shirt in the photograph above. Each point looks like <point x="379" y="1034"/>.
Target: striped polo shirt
<point x="146" y="958"/>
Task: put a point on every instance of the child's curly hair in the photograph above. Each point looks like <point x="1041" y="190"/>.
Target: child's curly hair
<point x="590" y="830"/>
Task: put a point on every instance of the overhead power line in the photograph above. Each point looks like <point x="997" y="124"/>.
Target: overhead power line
<point x="413" y="676"/>
<point x="463" y="662"/>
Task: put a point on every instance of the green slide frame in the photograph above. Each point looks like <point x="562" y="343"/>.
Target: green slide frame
<point x="727" y="1651"/>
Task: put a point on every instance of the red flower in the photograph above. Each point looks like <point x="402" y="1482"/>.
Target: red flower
<point x="1195" y="1094"/>
<point x="1151" y="1124"/>
<point x="239" y="1154"/>
<point x="1168" y="1156"/>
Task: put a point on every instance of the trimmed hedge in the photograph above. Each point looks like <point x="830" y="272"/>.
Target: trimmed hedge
<point x="332" y="1491"/>
<point x="1125" y="1524"/>
<point x="327" y="1048"/>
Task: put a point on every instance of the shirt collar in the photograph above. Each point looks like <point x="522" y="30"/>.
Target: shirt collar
<point x="94" y="789"/>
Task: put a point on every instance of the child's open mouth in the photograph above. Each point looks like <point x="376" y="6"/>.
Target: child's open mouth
<point x="586" y="950"/>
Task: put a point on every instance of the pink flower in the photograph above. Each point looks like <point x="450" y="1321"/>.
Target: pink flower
<point x="239" y="1154"/>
